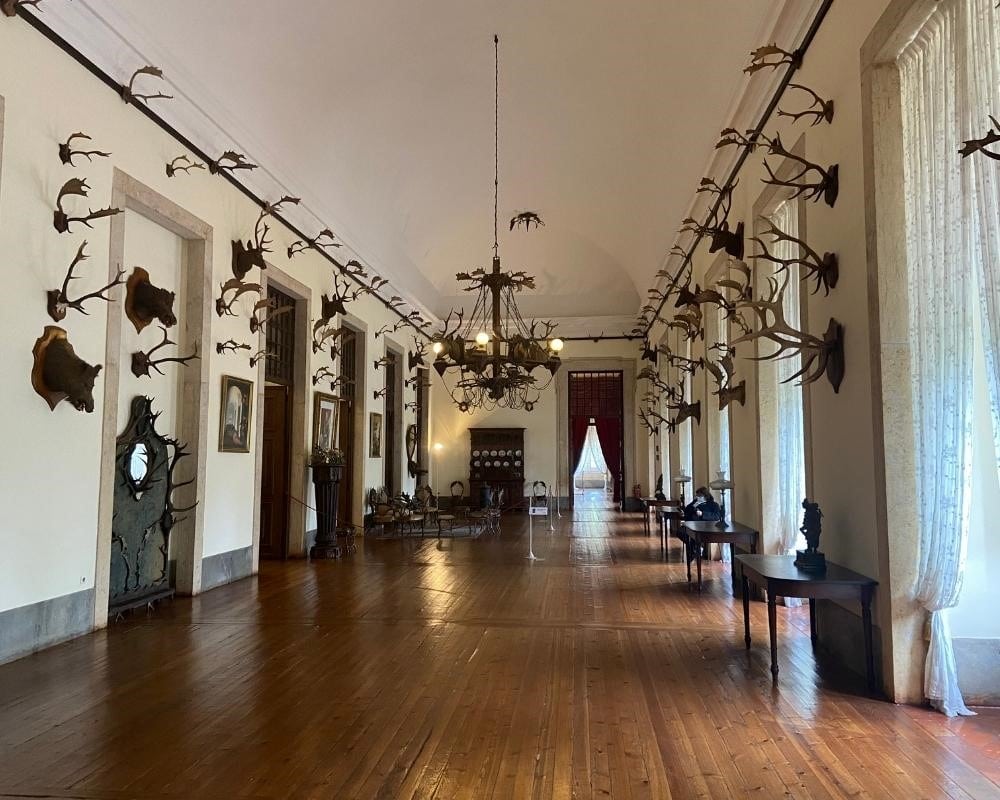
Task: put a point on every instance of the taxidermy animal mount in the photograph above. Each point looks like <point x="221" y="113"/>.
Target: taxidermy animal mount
<point x="825" y="269"/>
<point x="230" y="346"/>
<point x="415" y="358"/>
<point x="78" y="188"/>
<point x="723" y="372"/>
<point x="380" y="392"/>
<point x="259" y="356"/>
<point x="9" y="7"/>
<point x="224" y="307"/>
<point x="526" y="219"/>
<point x="130" y="95"/>
<point x="717" y="229"/>
<point x="385" y="361"/>
<point x="324" y="373"/>
<point x="143" y="362"/>
<point x="321" y="335"/>
<point x="145" y="302"/>
<point x="270" y="312"/>
<point x="58" y="373"/>
<point x="820" y="110"/>
<point x="820" y="355"/>
<point x="59" y="301"/>
<point x="230" y="162"/>
<point x="67" y="153"/>
<point x="250" y="254"/>
<point x="182" y="164"/>
<point x="979" y="145"/>
<point x="321" y="241"/>
<point x="771" y="57"/>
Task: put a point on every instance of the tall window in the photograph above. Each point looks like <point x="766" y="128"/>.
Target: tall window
<point x="949" y="78"/>
<point x="783" y="470"/>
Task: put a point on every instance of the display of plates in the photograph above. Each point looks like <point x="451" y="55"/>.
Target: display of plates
<point x="475" y="453"/>
<point x="517" y="463"/>
<point x="496" y="463"/>
<point x="494" y="453"/>
<point x="518" y="453"/>
<point x="476" y="464"/>
<point x="506" y="463"/>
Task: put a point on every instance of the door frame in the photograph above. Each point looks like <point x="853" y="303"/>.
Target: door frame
<point x="621" y="428"/>
<point x="300" y="406"/>
<point x="188" y="535"/>
<point x="360" y="444"/>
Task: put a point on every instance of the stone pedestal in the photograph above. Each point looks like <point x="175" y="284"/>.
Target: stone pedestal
<point x="326" y="480"/>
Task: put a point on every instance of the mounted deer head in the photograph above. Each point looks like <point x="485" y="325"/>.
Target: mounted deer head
<point x="143" y="362"/>
<point x="59" y="301"/>
<point x="992" y="136"/>
<point x="820" y="356"/>
<point x="78" y="188"/>
<point x="717" y="229"/>
<point x="825" y="269"/>
<point x="452" y="345"/>
<point x="820" y="110"/>
<point x="230" y="346"/>
<point x="182" y="164"/>
<point x="415" y="358"/>
<point x="60" y="374"/>
<point x="67" y="153"/>
<point x="224" y="307"/>
<point x="230" y="162"/>
<point x="319" y="242"/>
<point x="250" y="254"/>
<point x="130" y="95"/>
<point x="145" y="302"/>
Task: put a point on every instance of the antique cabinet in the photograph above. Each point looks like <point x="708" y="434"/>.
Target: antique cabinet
<point x="496" y="460"/>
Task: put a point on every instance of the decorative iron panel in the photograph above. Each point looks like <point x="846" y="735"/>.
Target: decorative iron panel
<point x="595" y="394"/>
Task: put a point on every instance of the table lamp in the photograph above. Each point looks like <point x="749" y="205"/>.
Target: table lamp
<point x="680" y="479"/>
<point x="722" y="485"/>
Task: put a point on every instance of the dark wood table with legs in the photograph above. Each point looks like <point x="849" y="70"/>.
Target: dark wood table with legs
<point x="698" y="534"/>
<point x="779" y="576"/>
<point x="655" y="504"/>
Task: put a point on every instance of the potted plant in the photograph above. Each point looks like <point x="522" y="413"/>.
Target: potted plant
<point x="326" y="464"/>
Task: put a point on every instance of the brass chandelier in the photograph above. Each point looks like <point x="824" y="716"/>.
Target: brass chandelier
<point x="488" y="361"/>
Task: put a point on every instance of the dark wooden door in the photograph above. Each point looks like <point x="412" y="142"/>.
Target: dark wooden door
<point x="274" y="474"/>
<point x="389" y="426"/>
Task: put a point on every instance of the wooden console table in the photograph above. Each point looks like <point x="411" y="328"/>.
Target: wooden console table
<point x="697" y="534"/>
<point x="655" y="504"/>
<point x="780" y="577"/>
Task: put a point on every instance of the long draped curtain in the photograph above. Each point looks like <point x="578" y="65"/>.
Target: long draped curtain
<point x="941" y="257"/>
<point x="609" y="432"/>
<point x="578" y="436"/>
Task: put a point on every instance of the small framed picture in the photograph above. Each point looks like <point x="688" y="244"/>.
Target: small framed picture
<point x="235" y="415"/>
<point x="326" y="416"/>
<point x="374" y="435"/>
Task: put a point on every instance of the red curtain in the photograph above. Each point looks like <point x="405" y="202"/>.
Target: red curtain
<point x="577" y="436"/>
<point x="609" y="433"/>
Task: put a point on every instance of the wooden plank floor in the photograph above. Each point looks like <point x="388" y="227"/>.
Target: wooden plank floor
<point x="456" y="669"/>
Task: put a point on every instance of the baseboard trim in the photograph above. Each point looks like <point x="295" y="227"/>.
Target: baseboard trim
<point x="978" y="663"/>
<point x="34" y="627"/>
<point x="223" y="568"/>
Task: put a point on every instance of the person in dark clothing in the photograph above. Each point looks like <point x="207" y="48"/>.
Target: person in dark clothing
<point x="702" y="509"/>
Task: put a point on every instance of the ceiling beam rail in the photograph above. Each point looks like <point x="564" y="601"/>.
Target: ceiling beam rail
<point x="104" y="77"/>
<point x="745" y="151"/>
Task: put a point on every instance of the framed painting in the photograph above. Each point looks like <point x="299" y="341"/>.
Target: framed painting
<point x="235" y="413"/>
<point x="374" y="435"/>
<point x="326" y="416"/>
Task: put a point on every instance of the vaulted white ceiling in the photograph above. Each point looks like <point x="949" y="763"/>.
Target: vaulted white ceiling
<point x="379" y="113"/>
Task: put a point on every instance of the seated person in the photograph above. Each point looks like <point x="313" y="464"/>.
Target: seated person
<point x="702" y="509"/>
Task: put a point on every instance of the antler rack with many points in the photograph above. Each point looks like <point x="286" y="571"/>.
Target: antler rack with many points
<point x="261" y="355"/>
<point x="320" y="241"/>
<point x="230" y="162"/>
<point x="271" y="311"/>
<point x="825" y="269"/>
<point x="182" y="164"/>
<point x="992" y="136"/>
<point x="77" y="187"/>
<point x="760" y="58"/>
<point x="59" y="301"/>
<point x="224" y="307"/>
<point x="718" y="231"/>
<point x="130" y="95"/>
<point x="142" y="362"/>
<point x="723" y="371"/>
<point x="250" y="254"/>
<point x="67" y="153"/>
<point x="230" y="346"/>
<point x="526" y="219"/>
<point x="820" y="110"/>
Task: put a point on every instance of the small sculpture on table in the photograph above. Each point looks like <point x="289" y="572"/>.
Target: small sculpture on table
<point x="811" y="559"/>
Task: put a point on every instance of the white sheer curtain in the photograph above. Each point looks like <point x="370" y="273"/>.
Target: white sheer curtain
<point x="941" y="263"/>
<point x="787" y="488"/>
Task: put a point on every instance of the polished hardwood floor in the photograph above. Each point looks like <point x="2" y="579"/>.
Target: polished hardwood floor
<point x="457" y="669"/>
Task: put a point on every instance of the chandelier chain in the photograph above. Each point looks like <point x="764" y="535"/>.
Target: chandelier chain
<point x="496" y="143"/>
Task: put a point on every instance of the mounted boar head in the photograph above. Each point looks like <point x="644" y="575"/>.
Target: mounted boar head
<point x="60" y="374"/>
<point x="145" y="302"/>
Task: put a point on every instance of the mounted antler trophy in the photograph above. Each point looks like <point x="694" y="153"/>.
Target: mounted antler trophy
<point x="261" y="355"/>
<point x="58" y="373"/>
<point x="820" y="110"/>
<point x="825" y="185"/>
<point x="10" y="7"/>
<point x="270" y="312"/>
<point x="182" y="164"/>
<point x="230" y="346"/>
<point x="143" y="362"/>
<point x="322" y="374"/>
<point x="415" y="358"/>
<point x="319" y="242"/>
<point x="820" y="356"/>
<point x="230" y="162"/>
<point x="992" y="136"/>
<point x="145" y="302"/>
<point x="129" y="93"/>
<point x="67" y="153"/>
<point x="325" y="334"/>
<point x="77" y="187"/>
<point x="723" y="372"/>
<point x="452" y="344"/>
<point x="383" y="362"/>
<point x="721" y="237"/>
<point x="224" y="307"/>
<point x="250" y="254"/>
<point x="825" y="269"/>
<point x="771" y="57"/>
<point x="59" y="301"/>
<point x="526" y="219"/>
<point x="379" y="393"/>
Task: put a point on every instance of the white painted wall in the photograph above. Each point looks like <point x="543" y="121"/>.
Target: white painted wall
<point x="49" y="469"/>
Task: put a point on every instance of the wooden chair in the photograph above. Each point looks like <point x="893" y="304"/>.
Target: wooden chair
<point x="382" y="511"/>
<point x="426" y="505"/>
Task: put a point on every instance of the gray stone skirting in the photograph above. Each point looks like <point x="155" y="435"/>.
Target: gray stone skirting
<point x="225" y="568"/>
<point x="29" y="628"/>
<point x="978" y="662"/>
